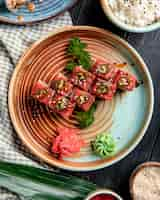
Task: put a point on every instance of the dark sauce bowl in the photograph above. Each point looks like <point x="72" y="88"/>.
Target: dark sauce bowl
<point x="103" y="192"/>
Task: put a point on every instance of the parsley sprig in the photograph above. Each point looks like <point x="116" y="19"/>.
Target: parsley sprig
<point x="85" y="119"/>
<point x="79" y="55"/>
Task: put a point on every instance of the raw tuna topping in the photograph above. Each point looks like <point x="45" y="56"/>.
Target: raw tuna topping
<point x="102" y="69"/>
<point x="61" y="84"/>
<point x="82" y="78"/>
<point x="42" y="92"/>
<point x="82" y="99"/>
<point x="126" y="81"/>
<point x="104" y="89"/>
<point x="62" y="104"/>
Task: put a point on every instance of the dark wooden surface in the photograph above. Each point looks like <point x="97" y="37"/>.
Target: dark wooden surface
<point x="116" y="177"/>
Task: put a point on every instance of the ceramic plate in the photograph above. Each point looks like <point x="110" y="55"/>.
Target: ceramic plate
<point x="43" y="10"/>
<point x="126" y="117"/>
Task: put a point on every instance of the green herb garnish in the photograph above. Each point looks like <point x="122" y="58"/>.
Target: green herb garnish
<point x="32" y="183"/>
<point x="85" y="119"/>
<point x="104" y="145"/>
<point x="77" y="50"/>
<point x="70" y="65"/>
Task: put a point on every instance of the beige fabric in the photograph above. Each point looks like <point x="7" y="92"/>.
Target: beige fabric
<point x="13" y="42"/>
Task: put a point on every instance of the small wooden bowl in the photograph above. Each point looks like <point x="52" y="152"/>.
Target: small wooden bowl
<point x="137" y="171"/>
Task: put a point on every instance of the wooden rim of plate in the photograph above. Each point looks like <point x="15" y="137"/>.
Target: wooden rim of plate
<point x="87" y="166"/>
<point x="21" y="23"/>
<point x="137" y="171"/>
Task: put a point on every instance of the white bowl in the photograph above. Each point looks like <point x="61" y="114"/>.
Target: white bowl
<point x="103" y="191"/>
<point x="109" y="13"/>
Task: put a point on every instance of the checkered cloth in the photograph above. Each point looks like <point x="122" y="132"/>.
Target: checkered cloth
<point x="13" y="42"/>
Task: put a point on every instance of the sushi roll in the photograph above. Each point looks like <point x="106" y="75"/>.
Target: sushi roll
<point x="83" y="99"/>
<point x="82" y="78"/>
<point x="104" y="70"/>
<point x="61" y="85"/>
<point x="42" y="92"/>
<point x="104" y="89"/>
<point x="62" y="105"/>
<point x="126" y="81"/>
